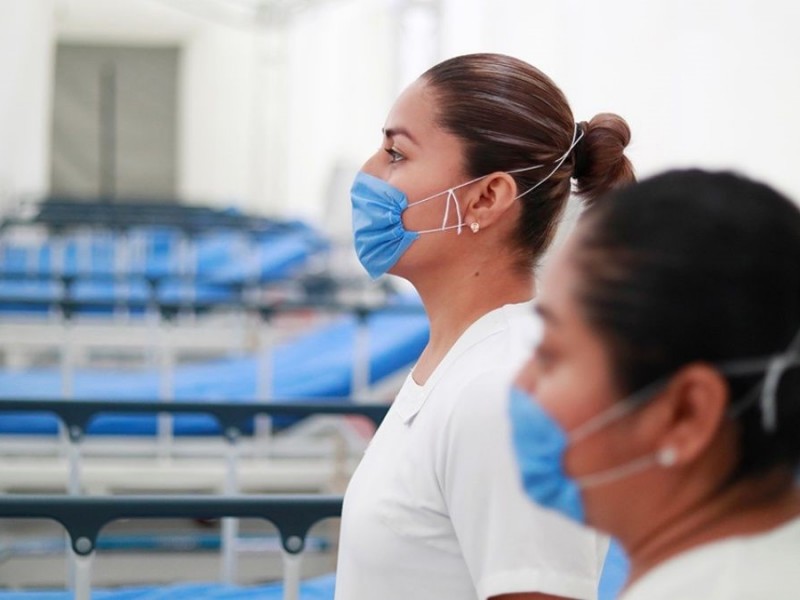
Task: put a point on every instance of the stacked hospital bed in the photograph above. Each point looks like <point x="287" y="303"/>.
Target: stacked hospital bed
<point x="174" y="350"/>
<point x="110" y="304"/>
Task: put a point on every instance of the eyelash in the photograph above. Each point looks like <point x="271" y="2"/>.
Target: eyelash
<point x="394" y="155"/>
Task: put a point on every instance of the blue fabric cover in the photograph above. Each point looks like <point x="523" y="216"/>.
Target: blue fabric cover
<point x="316" y="365"/>
<point x="318" y="588"/>
<point x="615" y="573"/>
<point x="220" y="259"/>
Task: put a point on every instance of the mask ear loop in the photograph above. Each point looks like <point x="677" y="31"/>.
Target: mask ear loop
<point x="451" y="195"/>
<point x="769" y="396"/>
<point x="617" y="411"/>
<point x="775" y="367"/>
<point x="577" y="136"/>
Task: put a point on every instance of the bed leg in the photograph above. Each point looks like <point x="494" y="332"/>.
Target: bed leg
<point x="83" y="576"/>
<point x="291" y="576"/>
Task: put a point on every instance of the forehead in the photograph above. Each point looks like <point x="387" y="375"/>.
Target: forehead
<point x="415" y="111"/>
<point x="559" y="276"/>
<point x="559" y="280"/>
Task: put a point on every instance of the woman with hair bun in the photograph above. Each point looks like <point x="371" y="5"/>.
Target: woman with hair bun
<point x="462" y="199"/>
<point x="663" y="403"/>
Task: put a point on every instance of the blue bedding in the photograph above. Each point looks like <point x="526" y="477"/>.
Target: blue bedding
<point x="30" y="277"/>
<point x="317" y="365"/>
<point x="318" y="588"/>
<point x="158" y="252"/>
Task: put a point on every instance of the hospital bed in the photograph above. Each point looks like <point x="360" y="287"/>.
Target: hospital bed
<point x="84" y="517"/>
<point x="292" y="515"/>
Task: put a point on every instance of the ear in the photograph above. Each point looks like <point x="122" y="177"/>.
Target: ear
<point x="687" y="416"/>
<point x="491" y="200"/>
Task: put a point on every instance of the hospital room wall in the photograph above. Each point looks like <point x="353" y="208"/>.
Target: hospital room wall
<point x="216" y="89"/>
<point x="265" y="117"/>
<point x="709" y="83"/>
<point x="701" y="82"/>
<point x="25" y="59"/>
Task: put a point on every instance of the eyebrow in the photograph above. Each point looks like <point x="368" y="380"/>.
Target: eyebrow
<point x="395" y="131"/>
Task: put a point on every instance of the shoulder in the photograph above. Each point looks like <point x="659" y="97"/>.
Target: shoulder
<point x="491" y="359"/>
<point x="761" y="566"/>
<point x="481" y="401"/>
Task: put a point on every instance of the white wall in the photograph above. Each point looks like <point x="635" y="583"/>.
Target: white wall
<point x="341" y="86"/>
<point x="217" y="92"/>
<point x="712" y="83"/>
<point x="25" y="62"/>
<point x="216" y="87"/>
<point x="268" y="118"/>
<point x="282" y="128"/>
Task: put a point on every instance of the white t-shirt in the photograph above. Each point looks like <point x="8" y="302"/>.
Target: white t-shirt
<point x="436" y="509"/>
<point x="758" y="567"/>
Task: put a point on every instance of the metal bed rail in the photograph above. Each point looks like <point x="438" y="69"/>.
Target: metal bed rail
<point x="84" y="516"/>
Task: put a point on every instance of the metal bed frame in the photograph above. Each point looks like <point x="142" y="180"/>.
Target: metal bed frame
<point x="84" y="516"/>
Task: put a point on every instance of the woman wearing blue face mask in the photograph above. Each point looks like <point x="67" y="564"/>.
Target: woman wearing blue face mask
<point x="663" y="402"/>
<point x="461" y="199"/>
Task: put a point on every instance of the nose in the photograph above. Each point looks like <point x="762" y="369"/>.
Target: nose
<point x="373" y="166"/>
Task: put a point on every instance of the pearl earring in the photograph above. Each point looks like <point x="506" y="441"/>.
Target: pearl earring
<point x="475" y="227"/>
<point x="667" y="457"/>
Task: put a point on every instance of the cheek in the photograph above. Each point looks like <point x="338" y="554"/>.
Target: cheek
<point x="569" y="396"/>
<point x="573" y="397"/>
<point x="416" y="218"/>
<point x="614" y="446"/>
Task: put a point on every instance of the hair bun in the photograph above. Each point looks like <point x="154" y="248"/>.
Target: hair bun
<point x="600" y="163"/>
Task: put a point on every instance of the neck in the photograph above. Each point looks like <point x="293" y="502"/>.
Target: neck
<point x="747" y="507"/>
<point x="456" y="299"/>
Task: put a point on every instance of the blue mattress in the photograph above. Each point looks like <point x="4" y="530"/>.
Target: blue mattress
<point x="30" y="277"/>
<point x="95" y="254"/>
<point x="317" y="365"/>
<point x="318" y="588"/>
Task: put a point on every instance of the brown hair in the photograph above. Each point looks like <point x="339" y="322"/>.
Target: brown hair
<point x="510" y="116"/>
<point x="699" y="267"/>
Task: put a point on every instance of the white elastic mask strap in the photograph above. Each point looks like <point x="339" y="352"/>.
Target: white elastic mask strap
<point x="449" y="192"/>
<point x="615" y="473"/>
<point x="615" y="412"/>
<point x="775" y="367"/>
<point x="451" y="195"/>
<point x="769" y="397"/>
<point x="576" y="137"/>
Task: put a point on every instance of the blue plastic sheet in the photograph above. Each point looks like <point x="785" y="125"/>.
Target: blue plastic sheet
<point x="30" y="277"/>
<point x="317" y="365"/>
<point x="615" y="572"/>
<point x="318" y="588"/>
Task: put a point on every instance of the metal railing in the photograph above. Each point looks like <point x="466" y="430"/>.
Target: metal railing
<point x="84" y="516"/>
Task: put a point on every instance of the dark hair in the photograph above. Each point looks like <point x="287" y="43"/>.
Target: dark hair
<point x="510" y="116"/>
<point x="693" y="266"/>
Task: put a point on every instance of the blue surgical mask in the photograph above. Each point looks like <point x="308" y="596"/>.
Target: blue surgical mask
<point x="379" y="235"/>
<point x="540" y="442"/>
